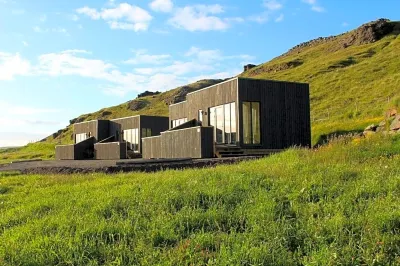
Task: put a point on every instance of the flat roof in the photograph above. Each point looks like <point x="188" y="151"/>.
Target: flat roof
<point x="96" y="120"/>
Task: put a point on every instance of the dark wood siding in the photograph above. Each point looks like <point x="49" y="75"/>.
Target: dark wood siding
<point x="110" y="151"/>
<point x="215" y="95"/>
<point x="122" y="124"/>
<point x="151" y="147"/>
<point x="65" y="152"/>
<point x="79" y="151"/>
<point x="284" y="112"/>
<point x="97" y="129"/>
<point x="196" y="142"/>
<point x="157" y="124"/>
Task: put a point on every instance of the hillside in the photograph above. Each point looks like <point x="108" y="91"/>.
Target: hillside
<point x="337" y="205"/>
<point x="354" y="77"/>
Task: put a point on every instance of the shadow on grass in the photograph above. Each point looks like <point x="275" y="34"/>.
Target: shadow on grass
<point x="10" y="173"/>
<point x="324" y="139"/>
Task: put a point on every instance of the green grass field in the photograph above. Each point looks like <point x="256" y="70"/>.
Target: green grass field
<point x="40" y="150"/>
<point x="338" y="205"/>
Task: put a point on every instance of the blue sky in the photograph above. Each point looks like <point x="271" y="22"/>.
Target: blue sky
<point x="60" y="59"/>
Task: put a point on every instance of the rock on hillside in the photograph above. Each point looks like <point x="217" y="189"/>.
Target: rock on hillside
<point x="390" y="125"/>
<point x="366" y="33"/>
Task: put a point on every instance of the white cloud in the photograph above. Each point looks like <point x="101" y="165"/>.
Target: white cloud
<point x="124" y="16"/>
<point x="314" y="5"/>
<point x="25" y="43"/>
<point x="199" y="18"/>
<point x="345" y="24"/>
<point x="43" y="18"/>
<point x="10" y="109"/>
<point x="54" y="30"/>
<point x="14" y="139"/>
<point x="18" y="12"/>
<point x="280" y="18"/>
<point x="261" y="18"/>
<point x="142" y="57"/>
<point x="12" y="65"/>
<point x="74" y="17"/>
<point x="162" y="6"/>
<point x="91" y="12"/>
<point x="272" y="5"/>
<point x="167" y="74"/>
<point x="317" y="9"/>
<point x="270" y="8"/>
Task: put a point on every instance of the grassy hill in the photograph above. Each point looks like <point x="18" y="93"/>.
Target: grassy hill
<point x="337" y="205"/>
<point x="354" y="78"/>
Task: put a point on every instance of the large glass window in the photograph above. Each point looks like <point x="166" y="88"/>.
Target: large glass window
<point x="223" y="119"/>
<point x="178" y="122"/>
<point x="251" y="123"/>
<point x="131" y="136"/>
<point x="81" y="137"/>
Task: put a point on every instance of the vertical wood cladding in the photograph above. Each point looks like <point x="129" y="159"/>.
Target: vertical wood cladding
<point x="65" y="152"/>
<point x="110" y="151"/>
<point x="196" y="142"/>
<point x="215" y="95"/>
<point x="79" y="151"/>
<point x="157" y="124"/>
<point x="97" y="129"/>
<point x="285" y="112"/>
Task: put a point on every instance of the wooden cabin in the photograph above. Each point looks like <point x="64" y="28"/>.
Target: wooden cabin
<point x="238" y="117"/>
<point x="111" y="139"/>
<point x="247" y="117"/>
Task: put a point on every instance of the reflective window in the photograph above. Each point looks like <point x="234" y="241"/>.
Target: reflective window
<point x="81" y="137"/>
<point x="200" y="118"/>
<point x="251" y="123"/>
<point x="146" y="132"/>
<point x="223" y="119"/>
<point x="178" y="122"/>
<point x="131" y="136"/>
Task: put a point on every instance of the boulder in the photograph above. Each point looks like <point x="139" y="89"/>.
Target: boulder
<point x="395" y="125"/>
<point x="137" y="104"/>
<point x="371" y="128"/>
<point x="391" y="112"/>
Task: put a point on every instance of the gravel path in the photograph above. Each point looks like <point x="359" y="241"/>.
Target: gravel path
<point x="114" y="166"/>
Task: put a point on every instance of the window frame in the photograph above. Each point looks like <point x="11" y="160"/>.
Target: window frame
<point x="252" y="138"/>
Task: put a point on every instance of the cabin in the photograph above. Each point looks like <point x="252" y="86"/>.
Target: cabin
<point x="238" y="117"/>
<point x="111" y="139"/>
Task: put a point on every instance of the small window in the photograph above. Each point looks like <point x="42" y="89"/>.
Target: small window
<point x="200" y="117"/>
<point x="146" y="132"/>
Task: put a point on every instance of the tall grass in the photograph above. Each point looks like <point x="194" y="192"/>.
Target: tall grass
<point x="337" y="205"/>
<point x="39" y="150"/>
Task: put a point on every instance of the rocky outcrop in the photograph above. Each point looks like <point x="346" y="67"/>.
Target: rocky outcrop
<point x="369" y="33"/>
<point x="366" y="33"/>
<point x="137" y="104"/>
<point x="390" y="125"/>
<point x="147" y="93"/>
